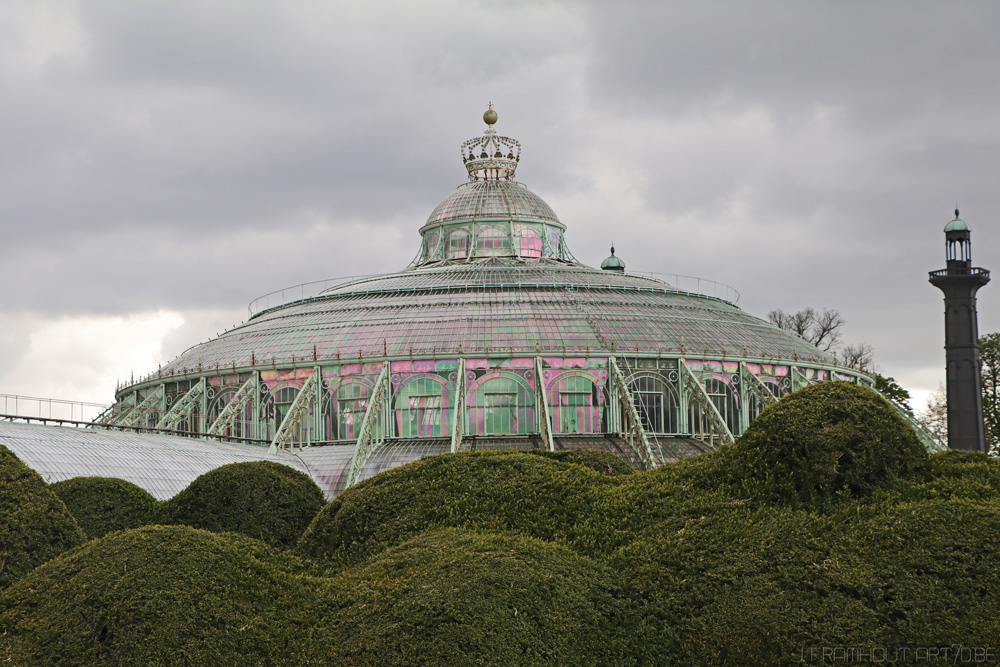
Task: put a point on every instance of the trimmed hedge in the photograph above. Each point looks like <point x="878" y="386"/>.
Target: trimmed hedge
<point x="452" y="597"/>
<point x="105" y="504"/>
<point x="503" y="492"/>
<point x="756" y="586"/>
<point x="929" y="571"/>
<point x="735" y="586"/>
<point x="261" y="499"/>
<point x="828" y="525"/>
<point x="828" y="439"/>
<point x="158" y="595"/>
<point x="35" y="525"/>
<point x="165" y="595"/>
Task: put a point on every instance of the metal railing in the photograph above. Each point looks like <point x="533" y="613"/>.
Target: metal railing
<point x="50" y="408"/>
<point x="693" y="284"/>
<point x="298" y="292"/>
<point x="76" y="423"/>
<point x="973" y="271"/>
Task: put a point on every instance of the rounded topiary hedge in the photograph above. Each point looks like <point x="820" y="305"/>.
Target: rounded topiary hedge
<point x="735" y="585"/>
<point x="158" y="595"/>
<point x="453" y="597"/>
<point x="823" y="440"/>
<point x="550" y="563"/>
<point x="261" y="499"/>
<point x="105" y="504"/>
<point x="34" y="524"/>
<point x="512" y="492"/>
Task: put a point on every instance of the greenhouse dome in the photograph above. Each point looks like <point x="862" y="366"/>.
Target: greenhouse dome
<point x="495" y="337"/>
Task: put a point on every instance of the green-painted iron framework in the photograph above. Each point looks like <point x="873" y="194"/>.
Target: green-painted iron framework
<point x="649" y="404"/>
<point x="494" y="337"/>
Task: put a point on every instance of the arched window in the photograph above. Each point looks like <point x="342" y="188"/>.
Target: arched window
<point x="699" y="424"/>
<point x="502" y="404"/>
<point x="283" y="400"/>
<point x="656" y="404"/>
<point x="352" y="401"/>
<point x="457" y="244"/>
<point x="529" y="242"/>
<point x="577" y="404"/>
<point x="492" y="240"/>
<point x="726" y="401"/>
<point x="422" y="408"/>
<point x="241" y="426"/>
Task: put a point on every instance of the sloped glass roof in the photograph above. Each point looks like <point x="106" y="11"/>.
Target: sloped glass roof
<point x="164" y="465"/>
<point x="492" y="200"/>
<point x="496" y="306"/>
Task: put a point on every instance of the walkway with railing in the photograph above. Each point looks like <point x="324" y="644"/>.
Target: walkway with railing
<point x="694" y="284"/>
<point x="297" y="293"/>
<point x="50" y="408"/>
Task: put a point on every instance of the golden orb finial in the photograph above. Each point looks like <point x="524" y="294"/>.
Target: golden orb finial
<point x="490" y="116"/>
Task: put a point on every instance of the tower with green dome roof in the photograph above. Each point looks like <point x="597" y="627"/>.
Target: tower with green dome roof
<point x="960" y="281"/>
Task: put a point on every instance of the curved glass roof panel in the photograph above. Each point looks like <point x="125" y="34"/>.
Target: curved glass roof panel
<point x="164" y="465"/>
<point x="400" y="452"/>
<point x="329" y="466"/>
<point x="492" y="200"/>
<point x="494" y="307"/>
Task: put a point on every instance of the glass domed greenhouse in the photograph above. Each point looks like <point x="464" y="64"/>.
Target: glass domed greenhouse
<point x="495" y="337"/>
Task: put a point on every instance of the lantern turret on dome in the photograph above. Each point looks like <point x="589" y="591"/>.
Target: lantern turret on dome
<point x="492" y="216"/>
<point x="958" y="242"/>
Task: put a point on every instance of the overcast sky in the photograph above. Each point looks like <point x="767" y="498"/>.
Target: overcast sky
<point x="163" y="163"/>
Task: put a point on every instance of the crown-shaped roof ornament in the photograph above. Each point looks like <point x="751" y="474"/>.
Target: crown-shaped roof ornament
<point x="491" y="157"/>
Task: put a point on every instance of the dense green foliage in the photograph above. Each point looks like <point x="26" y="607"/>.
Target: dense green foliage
<point x="888" y="387"/>
<point x="34" y="523"/>
<point x="102" y="505"/>
<point x="159" y="595"/>
<point x="827" y="439"/>
<point x="824" y="525"/>
<point x="989" y="356"/>
<point x="264" y="500"/>
<point x="450" y="597"/>
<point x="506" y="492"/>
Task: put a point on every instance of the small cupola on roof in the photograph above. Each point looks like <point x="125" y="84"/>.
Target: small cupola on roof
<point x="492" y="215"/>
<point x="613" y="263"/>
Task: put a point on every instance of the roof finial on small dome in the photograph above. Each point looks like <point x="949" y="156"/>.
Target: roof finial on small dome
<point x="956" y="211"/>
<point x="490" y="116"/>
<point x="612" y="248"/>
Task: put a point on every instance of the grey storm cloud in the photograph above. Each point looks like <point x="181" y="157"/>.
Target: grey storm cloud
<point x="191" y="155"/>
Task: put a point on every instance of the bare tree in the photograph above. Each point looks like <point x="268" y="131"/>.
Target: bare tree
<point x="860" y="356"/>
<point x="820" y="329"/>
<point x="781" y="319"/>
